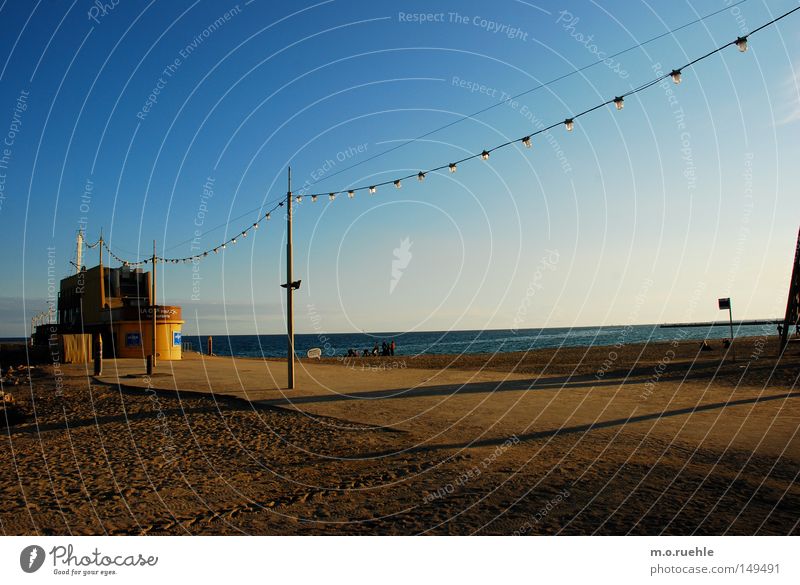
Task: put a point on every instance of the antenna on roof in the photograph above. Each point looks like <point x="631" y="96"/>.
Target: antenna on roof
<point x="79" y="253"/>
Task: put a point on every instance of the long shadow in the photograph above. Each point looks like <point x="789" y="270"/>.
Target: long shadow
<point x="553" y="382"/>
<point x="63" y="425"/>
<point x="586" y="427"/>
<point x="224" y="403"/>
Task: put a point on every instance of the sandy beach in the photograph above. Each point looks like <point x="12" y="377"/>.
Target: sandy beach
<point x="655" y="439"/>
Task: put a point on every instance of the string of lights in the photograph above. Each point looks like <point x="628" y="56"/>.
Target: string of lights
<point x="228" y="222"/>
<point x="523" y="93"/>
<point x="569" y="123"/>
<point x="741" y="43"/>
<point x="200" y="255"/>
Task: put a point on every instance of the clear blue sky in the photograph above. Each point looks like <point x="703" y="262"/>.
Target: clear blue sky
<point x="637" y="216"/>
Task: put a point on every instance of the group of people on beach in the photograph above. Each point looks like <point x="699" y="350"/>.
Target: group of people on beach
<point x="386" y="349"/>
<point x="796" y="330"/>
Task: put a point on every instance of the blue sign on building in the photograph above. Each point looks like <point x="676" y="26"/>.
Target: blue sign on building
<point x="176" y="338"/>
<point x="133" y="339"/>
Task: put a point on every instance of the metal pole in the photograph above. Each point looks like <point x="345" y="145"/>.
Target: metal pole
<point x="153" y="303"/>
<point x="289" y="289"/>
<point x="102" y="277"/>
<point x="730" y="320"/>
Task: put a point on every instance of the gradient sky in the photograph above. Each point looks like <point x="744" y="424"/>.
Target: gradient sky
<point x="643" y="215"/>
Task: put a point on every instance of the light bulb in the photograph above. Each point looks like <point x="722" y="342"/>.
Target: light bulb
<point x="619" y="102"/>
<point x="397" y="183"/>
<point x="313" y="198"/>
<point x="527" y="142"/>
<point x="372" y="190"/>
<point x="741" y="44"/>
<point x="452" y="167"/>
<point x="351" y="194"/>
<point x="569" y="124"/>
<point x="421" y="176"/>
<point x="331" y="196"/>
<point x="676" y="76"/>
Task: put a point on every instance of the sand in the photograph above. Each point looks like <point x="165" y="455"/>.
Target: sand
<point x="657" y="439"/>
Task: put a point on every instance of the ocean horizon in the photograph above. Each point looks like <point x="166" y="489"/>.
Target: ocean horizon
<point x="460" y="341"/>
<point x="467" y="341"/>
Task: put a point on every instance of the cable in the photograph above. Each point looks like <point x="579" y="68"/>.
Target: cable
<point x="618" y="101"/>
<point x="675" y="74"/>
<point x="222" y="225"/>
<point x="519" y="95"/>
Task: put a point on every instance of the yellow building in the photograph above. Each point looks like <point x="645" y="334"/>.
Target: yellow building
<point x="116" y="304"/>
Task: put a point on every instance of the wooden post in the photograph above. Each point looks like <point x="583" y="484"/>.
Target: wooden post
<point x="730" y="320"/>
<point x="793" y="302"/>
<point x="153" y="303"/>
<point x="102" y="276"/>
<point x="98" y="354"/>
<point x="289" y="288"/>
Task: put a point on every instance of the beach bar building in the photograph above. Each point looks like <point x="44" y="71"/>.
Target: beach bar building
<point x="116" y="304"/>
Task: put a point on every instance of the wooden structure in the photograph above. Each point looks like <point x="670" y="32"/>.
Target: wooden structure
<point x="792" y="317"/>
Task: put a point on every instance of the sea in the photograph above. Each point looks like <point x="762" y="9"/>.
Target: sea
<point x="457" y="342"/>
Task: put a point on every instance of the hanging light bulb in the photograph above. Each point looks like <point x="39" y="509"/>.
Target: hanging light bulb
<point x="619" y="102"/>
<point x="351" y="193"/>
<point x="331" y="196"/>
<point x="485" y="155"/>
<point x="569" y="124"/>
<point x="222" y="246"/>
<point x="741" y="44"/>
<point x="527" y="142"/>
<point x="313" y="198"/>
<point x="267" y="216"/>
<point x="215" y="250"/>
<point x="244" y="234"/>
<point x="675" y="74"/>
<point x="233" y="240"/>
<point x="397" y="183"/>
<point x="299" y="198"/>
<point x="452" y="167"/>
<point x="421" y="176"/>
<point x="205" y="253"/>
<point x="372" y="190"/>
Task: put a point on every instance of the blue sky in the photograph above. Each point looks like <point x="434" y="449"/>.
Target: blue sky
<point x="637" y="216"/>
